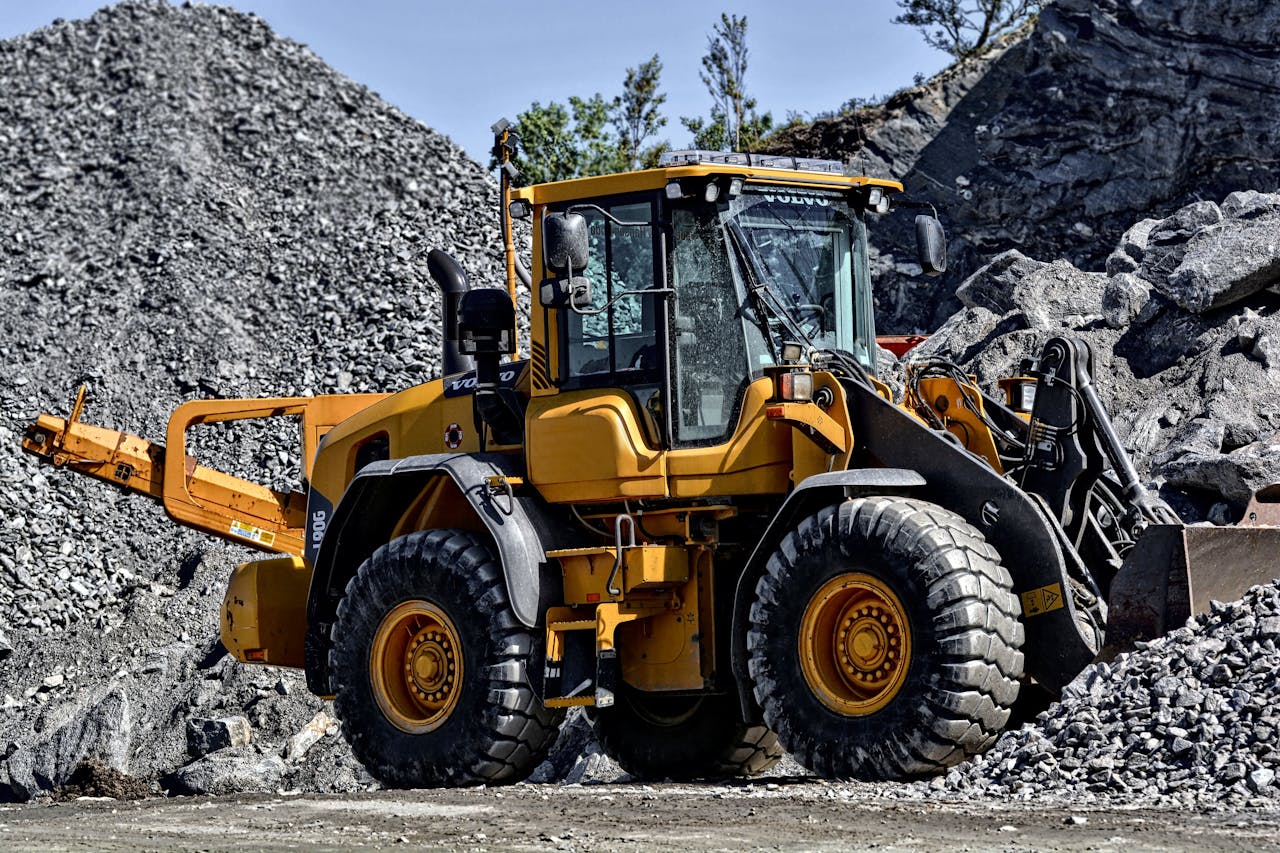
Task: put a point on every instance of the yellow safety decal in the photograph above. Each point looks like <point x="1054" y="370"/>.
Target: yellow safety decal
<point x="1042" y="600"/>
<point x="254" y="534"/>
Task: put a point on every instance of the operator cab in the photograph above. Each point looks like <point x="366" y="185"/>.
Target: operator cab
<point x="668" y="292"/>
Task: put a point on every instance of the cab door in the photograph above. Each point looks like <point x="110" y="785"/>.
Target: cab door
<point x="721" y="442"/>
<point x="596" y="433"/>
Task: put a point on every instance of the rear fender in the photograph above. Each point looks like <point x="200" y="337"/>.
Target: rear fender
<point x="521" y="527"/>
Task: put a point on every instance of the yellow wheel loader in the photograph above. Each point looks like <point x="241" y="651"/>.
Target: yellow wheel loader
<point x="693" y="508"/>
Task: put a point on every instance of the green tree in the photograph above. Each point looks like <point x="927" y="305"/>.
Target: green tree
<point x="711" y="135"/>
<point x="547" y="151"/>
<point x="558" y="143"/>
<point x="734" y="122"/>
<point x="599" y="151"/>
<point x="652" y="156"/>
<point x="637" y="114"/>
<point x="964" y="29"/>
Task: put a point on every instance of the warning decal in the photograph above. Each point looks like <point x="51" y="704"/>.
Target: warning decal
<point x="453" y="436"/>
<point x="1042" y="600"/>
<point x="254" y="534"/>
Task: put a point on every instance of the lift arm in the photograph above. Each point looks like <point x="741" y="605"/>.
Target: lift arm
<point x="193" y="495"/>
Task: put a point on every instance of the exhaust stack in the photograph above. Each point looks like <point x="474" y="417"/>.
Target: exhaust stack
<point x="452" y="279"/>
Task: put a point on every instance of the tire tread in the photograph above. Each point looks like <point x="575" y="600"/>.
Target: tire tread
<point x="518" y="732"/>
<point x="978" y="634"/>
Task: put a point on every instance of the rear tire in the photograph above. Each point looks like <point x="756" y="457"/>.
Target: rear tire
<point x="655" y="737"/>
<point x="884" y="640"/>
<point x="430" y="667"/>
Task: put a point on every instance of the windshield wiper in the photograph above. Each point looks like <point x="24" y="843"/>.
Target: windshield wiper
<point x="756" y="288"/>
<point x="767" y="303"/>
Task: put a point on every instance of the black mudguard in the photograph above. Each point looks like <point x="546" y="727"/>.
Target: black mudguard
<point x="522" y="526"/>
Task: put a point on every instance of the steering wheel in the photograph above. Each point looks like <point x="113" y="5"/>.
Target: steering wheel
<point x="643" y="358"/>
<point x="812" y="317"/>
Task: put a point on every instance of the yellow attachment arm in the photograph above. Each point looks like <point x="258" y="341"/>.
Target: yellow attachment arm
<point x="226" y="506"/>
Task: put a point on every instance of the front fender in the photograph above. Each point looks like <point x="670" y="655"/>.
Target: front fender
<point x="811" y="494"/>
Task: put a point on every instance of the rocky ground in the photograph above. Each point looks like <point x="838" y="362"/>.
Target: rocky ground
<point x="180" y="221"/>
<point x="785" y="814"/>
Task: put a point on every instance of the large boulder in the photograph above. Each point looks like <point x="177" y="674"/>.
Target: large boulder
<point x="97" y="725"/>
<point x="205" y="736"/>
<point x="1234" y="476"/>
<point x="1224" y="263"/>
<point x="1049" y="296"/>
<point x="229" y="771"/>
<point x="1123" y="297"/>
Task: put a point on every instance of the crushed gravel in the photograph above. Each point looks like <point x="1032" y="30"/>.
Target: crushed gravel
<point x="191" y="206"/>
<point x="1192" y="718"/>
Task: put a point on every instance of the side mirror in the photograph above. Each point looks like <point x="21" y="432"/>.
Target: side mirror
<point x="565" y="247"/>
<point x="565" y="292"/>
<point x="931" y="245"/>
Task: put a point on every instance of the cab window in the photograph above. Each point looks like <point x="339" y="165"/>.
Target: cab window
<point x="615" y="345"/>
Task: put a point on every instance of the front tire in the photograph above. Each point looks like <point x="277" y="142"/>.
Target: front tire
<point x="884" y="640"/>
<point x="655" y="737"/>
<point x="430" y="667"/>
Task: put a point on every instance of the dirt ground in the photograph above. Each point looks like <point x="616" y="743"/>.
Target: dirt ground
<point x="780" y="815"/>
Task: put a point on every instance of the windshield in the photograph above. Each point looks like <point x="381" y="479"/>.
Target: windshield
<point x="802" y="252"/>
<point x="807" y="246"/>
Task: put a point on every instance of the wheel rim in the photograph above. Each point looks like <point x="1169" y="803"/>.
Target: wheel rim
<point x="415" y="666"/>
<point x="855" y="644"/>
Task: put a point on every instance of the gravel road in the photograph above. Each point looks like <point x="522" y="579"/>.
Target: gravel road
<point x="781" y="815"/>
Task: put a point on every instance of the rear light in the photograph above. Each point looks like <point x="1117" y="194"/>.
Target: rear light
<point x="795" y="387"/>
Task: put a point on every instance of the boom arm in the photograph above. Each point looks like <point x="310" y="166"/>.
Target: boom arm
<point x="193" y="495"/>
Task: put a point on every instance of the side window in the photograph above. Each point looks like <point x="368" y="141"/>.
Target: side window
<point x="618" y="345"/>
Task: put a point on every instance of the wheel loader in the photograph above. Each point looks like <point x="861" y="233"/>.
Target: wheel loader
<point x="693" y="508"/>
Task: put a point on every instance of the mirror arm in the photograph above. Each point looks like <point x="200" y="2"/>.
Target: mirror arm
<point x="911" y="204"/>
<point x="574" y="208"/>
<point x="591" y="312"/>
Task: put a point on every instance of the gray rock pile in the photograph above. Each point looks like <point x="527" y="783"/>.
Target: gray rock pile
<point x="190" y="206"/>
<point x="1192" y="718"/>
<point x="1184" y="328"/>
<point x="193" y="207"/>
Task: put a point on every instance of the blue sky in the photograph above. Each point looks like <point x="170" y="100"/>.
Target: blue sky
<point x="458" y="66"/>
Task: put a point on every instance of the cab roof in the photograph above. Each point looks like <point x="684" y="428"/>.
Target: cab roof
<point x="656" y="179"/>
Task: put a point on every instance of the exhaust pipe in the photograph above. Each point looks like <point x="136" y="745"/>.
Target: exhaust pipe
<point x="452" y="279"/>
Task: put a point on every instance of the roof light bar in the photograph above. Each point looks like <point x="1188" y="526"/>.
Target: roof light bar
<point x="699" y="157"/>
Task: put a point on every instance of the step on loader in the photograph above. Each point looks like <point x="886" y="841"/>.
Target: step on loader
<point x="692" y="508"/>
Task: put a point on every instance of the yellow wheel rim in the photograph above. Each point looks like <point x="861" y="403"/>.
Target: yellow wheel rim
<point x="855" y="644"/>
<point x="415" y="666"/>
